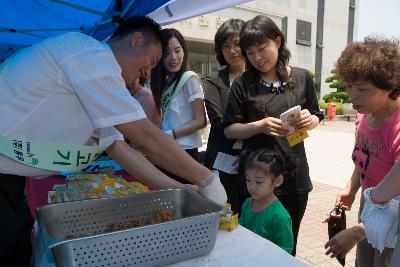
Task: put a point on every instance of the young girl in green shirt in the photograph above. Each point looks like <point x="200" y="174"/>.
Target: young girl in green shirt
<point x="263" y="213"/>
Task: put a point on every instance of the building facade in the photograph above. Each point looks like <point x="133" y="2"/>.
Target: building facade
<point x="317" y="31"/>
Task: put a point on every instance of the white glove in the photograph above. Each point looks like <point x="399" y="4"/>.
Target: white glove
<point x="380" y="221"/>
<point x="169" y="132"/>
<point x="215" y="190"/>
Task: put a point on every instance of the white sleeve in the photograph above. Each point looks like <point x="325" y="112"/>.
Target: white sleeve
<point x="95" y="77"/>
<point x="193" y="89"/>
<point x="107" y="136"/>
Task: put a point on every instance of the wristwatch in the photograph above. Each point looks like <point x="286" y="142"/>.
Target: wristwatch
<point x="369" y="192"/>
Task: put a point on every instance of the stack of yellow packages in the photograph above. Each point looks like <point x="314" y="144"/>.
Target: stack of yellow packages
<point x="87" y="186"/>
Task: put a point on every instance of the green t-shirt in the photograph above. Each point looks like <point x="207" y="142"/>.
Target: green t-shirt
<point x="272" y="223"/>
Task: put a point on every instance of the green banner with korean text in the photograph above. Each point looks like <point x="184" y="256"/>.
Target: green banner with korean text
<point x="49" y="156"/>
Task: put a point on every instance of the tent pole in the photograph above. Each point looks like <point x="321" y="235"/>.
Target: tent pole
<point x="85" y="9"/>
<point x="128" y="6"/>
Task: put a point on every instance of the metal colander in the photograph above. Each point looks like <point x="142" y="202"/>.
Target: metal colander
<point x="192" y="232"/>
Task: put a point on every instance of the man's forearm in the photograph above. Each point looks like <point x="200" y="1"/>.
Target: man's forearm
<point x="170" y="156"/>
<point x="138" y="166"/>
<point x="162" y="150"/>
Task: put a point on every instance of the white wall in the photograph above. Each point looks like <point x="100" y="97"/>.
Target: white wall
<point x="335" y="37"/>
<point x="335" y="28"/>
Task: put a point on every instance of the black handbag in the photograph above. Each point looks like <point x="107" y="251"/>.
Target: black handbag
<point x="336" y="223"/>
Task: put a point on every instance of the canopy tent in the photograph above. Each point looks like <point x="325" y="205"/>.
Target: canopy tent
<point x="23" y="23"/>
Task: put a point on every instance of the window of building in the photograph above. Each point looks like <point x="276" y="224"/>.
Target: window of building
<point x="284" y="26"/>
<point x="350" y="27"/>
<point x="202" y="64"/>
<point x="303" y="33"/>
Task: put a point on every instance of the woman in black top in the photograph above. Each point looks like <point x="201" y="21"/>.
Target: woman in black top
<point x="216" y="88"/>
<point x="268" y="88"/>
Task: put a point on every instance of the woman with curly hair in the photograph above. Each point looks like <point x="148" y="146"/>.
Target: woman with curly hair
<point x="371" y="70"/>
<point x="257" y="98"/>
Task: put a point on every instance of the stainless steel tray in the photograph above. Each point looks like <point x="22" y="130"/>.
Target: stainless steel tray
<point x="190" y="234"/>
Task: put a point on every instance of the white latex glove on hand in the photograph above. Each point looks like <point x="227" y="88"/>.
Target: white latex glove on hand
<point x="215" y="190"/>
<point x="380" y="221"/>
<point x="169" y="132"/>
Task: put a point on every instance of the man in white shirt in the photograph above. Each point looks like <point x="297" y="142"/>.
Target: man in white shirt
<point x="71" y="89"/>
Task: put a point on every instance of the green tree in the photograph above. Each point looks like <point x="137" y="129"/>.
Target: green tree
<point x="335" y="82"/>
<point x="340" y="95"/>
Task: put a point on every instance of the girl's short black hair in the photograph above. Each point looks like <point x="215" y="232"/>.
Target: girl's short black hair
<point x="224" y="33"/>
<point x="270" y="162"/>
<point x="259" y="30"/>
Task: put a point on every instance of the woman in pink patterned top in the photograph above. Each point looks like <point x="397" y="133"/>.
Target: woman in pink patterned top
<point x="144" y="96"/>
<point x="376" y="149"/>
<point x="371" y="70"/>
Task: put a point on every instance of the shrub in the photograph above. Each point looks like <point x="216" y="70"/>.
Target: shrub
<point x="340" y="97"/>
<point x="339" y="107"/>
<point x="335" y="83"/>
<point x="322" y="105"/>
<point x="344" y="96"/>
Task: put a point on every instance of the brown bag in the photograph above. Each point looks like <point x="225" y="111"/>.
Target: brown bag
<point x="336" y="223"/>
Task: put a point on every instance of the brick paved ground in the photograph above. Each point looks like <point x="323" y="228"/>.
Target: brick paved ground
<point x="314" y="234"/>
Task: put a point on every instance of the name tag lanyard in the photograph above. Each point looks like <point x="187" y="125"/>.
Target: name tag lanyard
<point x="49" y="156"/>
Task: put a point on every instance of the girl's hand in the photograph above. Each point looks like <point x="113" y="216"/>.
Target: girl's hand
<point x="272" y="126"/>
<point x="302" y="121"/>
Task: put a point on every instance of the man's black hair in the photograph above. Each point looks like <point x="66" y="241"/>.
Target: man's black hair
<point x="142" y="24"/>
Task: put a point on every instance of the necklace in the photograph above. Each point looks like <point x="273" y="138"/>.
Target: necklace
<point x="274" y="88"/>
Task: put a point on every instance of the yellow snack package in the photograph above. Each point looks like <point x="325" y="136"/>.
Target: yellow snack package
<point x="122" y="182"/>
<point x="229" y="221"/>
<point x="51" y="197"/>
<point x="90" y="195"/>
<point x="71" y="194"/>
<point x="136" y="187"/>
<point x="298" y="136"/>
<point x="95" y="185"/>
<point x="109" y="182"/>
<point x="120" y="192"/>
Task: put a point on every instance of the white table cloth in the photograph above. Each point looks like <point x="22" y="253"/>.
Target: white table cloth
<point x="243" y="248"/>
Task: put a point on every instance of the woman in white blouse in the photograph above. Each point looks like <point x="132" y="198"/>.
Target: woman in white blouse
<point x="179" y="94"/>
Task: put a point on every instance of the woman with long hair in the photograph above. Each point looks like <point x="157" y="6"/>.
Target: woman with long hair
<point x="179" y="94"/>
